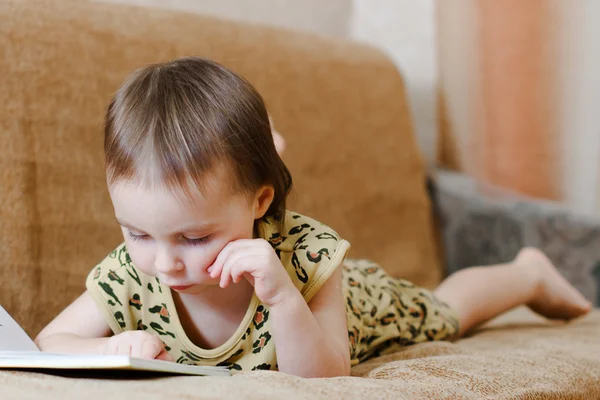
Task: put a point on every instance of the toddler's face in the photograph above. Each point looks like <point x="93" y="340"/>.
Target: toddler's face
<point x="177" y="240"/>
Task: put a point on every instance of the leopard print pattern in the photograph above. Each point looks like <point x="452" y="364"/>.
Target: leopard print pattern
<point x="381" y="311"/>
<point x="384" y="312"/>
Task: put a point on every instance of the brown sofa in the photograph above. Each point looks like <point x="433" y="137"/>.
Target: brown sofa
<point x="351" y="150"/>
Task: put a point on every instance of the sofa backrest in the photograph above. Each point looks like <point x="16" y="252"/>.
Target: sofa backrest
<point x="341" y="107"/>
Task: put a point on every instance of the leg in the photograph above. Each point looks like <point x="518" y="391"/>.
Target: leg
<point x="481" y="293"/>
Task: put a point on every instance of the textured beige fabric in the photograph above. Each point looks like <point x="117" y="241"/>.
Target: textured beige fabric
<point x="531" y="361"/>
<point x="341" y="107"/>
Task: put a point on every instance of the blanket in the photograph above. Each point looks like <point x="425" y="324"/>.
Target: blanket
<point x="518" y="356"/>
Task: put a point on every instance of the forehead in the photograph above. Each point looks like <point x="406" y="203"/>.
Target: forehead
<point x="159" y="213"/>
<point x="136" y="194"/>
<point x="148" y="173"/>
<point x="217" y="181"/>
<point x="151" y="201"/>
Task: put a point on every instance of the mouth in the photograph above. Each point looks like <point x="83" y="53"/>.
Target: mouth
<point x="180" y="288"/>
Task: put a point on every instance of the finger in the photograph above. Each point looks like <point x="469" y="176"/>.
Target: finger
<point x="111" y="346"/>
<point x="150" y="348"/>
<point x="225" y="271"/>
<point x="234" y="259"/>
<point x="215" y="270"/>
<point x="239" y="271"/>
<point x="225" y="277"/>
<point x="165" y="356"/>
<point x="246" y="264"/>
<point x="236" y="274"/>
<point x="137" y="349"/>
<point x="217" y="267"/>
<point x="124" y="348"/>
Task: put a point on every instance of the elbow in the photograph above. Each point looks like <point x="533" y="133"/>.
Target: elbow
<point x="46" y="341"/>
<point x="337" y="367"/>
<point x="338" y="370"/>
<point x="346" y="366"/>
<point x="40" y="341"/>
<point x="340" y="367"/>
<point x="342" y="363"/>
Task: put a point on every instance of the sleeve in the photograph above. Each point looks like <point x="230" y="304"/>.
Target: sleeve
<point x="325" y="269"/>
<point x="111" y="285"/>
<point x="311" y="252"/>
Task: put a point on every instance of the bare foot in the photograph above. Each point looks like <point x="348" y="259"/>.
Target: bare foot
<point x="554" y="297"/>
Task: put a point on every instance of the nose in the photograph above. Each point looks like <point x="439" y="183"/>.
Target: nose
<point x="166" y="261"/>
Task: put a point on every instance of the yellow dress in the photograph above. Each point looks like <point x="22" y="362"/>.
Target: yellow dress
<point x="381" y="311"/>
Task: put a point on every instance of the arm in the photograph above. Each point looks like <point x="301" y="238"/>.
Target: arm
<point x="80" y="328"/>
<point x="312" y="339"/>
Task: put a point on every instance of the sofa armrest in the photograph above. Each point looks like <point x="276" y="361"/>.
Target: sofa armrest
<point x="482" y="225"/>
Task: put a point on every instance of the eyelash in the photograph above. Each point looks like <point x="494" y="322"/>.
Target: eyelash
<point x="192" y="242"/>
<point x="197" y="241"/>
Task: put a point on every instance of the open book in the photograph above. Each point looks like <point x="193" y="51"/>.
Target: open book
<point x="18" y="351"/>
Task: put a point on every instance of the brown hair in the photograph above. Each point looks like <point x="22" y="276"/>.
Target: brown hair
<point x="183" y="118"/>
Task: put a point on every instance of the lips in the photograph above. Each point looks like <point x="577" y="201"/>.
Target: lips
<point x="180" y="288"/>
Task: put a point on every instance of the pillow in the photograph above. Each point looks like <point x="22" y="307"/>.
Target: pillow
<point x="482" y="224"/>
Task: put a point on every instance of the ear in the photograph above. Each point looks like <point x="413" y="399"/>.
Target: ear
<point x="279" y="142"/>
<point x="277" y="138"/>
<point x="262" y="201"/>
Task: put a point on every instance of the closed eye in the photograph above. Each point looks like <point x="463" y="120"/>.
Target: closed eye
<point x="135" y="237"/>
<point x="196" y="241"/>
<point x="187" y="240"/>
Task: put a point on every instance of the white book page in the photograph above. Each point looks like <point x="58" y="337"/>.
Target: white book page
<point x="38" y="360"/>
<point x="12" y="336"/>
<point x="17" y="350"/>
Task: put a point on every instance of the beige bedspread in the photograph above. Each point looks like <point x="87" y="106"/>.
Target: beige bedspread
<point x="527" y="359"/>
<point x="343" y="110"/>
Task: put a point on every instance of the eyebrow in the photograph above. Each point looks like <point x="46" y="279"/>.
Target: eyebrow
<point x="185" y="228"/>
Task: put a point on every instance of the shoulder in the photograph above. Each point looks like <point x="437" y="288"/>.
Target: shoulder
<point x="118" y="288"/>
<point x="116" y="267"/>
<point x="298" y="232"/>
<point x="308" y="249"/>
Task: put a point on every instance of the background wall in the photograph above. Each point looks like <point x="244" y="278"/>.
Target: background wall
<point x="331" y="19"/>
<point x="403" y="28"/>
<point x="578" y="59"/>
<point x="520" y="93"/>
<point x="406" y="30"/>
<point x="503" y="90"/>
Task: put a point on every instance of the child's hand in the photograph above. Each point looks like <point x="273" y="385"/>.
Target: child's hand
<point x="255" y="260"/>
<point x="137" y="344"/>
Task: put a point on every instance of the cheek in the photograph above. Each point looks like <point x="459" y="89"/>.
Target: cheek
<point x="199" y="258"/>
<point x="142" y="256"/>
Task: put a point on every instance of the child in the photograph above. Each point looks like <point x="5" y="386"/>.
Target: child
<point x="215" y="271"/>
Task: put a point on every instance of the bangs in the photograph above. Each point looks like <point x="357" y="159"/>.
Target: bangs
<point x="157" y="140"/>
